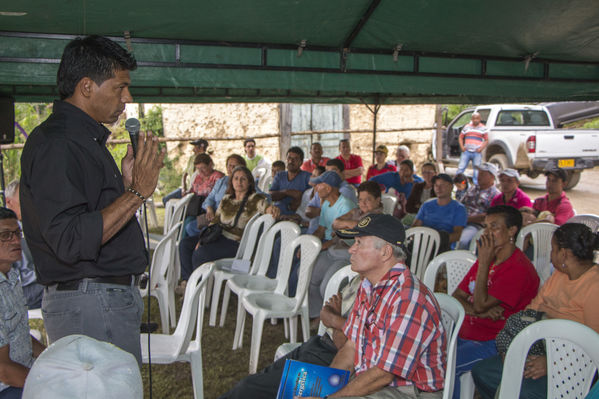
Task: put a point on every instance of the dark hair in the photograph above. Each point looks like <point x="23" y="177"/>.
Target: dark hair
<point x="336" y="163"/>
<point x="511" y="216"/>
<point x="296" y="150"/>
<point x="201" y="143"/>
<point x="278" y="164"/>
<point x="429" y="165"/>
<point x="202" y="158"/>
<point x="408" y="163"/>
<point x="343" y="141"/>
<point x="315" y="143"/>
<point x="6" y="213"/>
<point x="460" y="178"/>
<point x="95" y="57"/>
<point x="371" y="188"/>
<point x="239" y="159"/>
<point x="248" y="141"/>
<point x="578" y="238"/>
<point x="248" y="175"/>
<point x="320" y="169"/>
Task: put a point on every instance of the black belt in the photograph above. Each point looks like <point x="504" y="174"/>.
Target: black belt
<point x="73" y="285"/>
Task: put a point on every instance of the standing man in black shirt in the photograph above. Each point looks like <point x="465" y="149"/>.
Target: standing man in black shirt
<point x="78" y="209"/>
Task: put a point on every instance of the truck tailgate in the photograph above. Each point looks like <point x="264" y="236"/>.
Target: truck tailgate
<point x="569" y="143"/>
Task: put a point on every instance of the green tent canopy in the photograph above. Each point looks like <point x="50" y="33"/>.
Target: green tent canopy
<point x="338" y="51"/>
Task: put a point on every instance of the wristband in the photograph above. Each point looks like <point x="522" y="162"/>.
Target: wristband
<point x="137" y="193"/>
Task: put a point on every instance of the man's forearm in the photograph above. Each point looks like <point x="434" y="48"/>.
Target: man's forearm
<point x="353" y="172"/>
<point x="371" y="381"/>
<point x="344" y="359"/>
<point x="278" y="195"/>
<point x="13" y="374"/>
<point x="118" y="214"/>
<point x="479" y="218"/>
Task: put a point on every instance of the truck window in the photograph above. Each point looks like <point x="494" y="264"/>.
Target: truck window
<point x="522" y="118"/>
<point x="484" y="114"/>
<point x="463" y="120"/>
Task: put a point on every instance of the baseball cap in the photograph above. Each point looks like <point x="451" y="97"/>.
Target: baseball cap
<point x="511" y="173"/>
<point x="382" y="148"/>
<point x="443" y="176"/>
<point x="557" y="172"/>
<point x="201" y="142"/>
<point x="382" y="226"/>
<point x="488" y="167"/>
<point x="77" y="366"/>
<point x="329" y="177"/>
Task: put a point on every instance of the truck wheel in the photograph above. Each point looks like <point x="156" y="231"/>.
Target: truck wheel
<point x="573" y="179"/>
<point x="499" y="160"/>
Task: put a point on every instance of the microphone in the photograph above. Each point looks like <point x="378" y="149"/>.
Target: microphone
<point x="132" y="125"/>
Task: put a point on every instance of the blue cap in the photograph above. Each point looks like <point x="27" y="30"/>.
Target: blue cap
<point x="329" y="177"/>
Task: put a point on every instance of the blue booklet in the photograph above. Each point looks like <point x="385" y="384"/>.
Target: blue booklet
<point x="305" y="379"/>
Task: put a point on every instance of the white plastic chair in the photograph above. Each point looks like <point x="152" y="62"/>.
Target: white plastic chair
<point x="332" y="288"/>
<point x="452" y="316"/>
<point x="160" y="285"/>
<point x="457" y="263"/>
<point x="389" y="202"/>
<point x="265" y="182"/>
<point x="426" y="243"/>
<point x="276" y="304"/>
<point x="592" y="221"/>
<point x="256" y="280"/>
<point x="178" y="347"/>
<point x="255" y="227"/>
<point x="572" y="358"/>
<point x="472" y="246"/>
<point x="541" y="234"/>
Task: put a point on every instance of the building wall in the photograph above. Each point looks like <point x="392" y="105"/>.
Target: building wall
<point x="224" y="121"/>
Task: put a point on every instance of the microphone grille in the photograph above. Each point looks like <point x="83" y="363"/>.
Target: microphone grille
<point x="132" y="125"/>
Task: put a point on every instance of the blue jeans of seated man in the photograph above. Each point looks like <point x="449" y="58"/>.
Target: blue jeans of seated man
<point x="465" y="158"/>
<point x="177" y="194"/>
<point x="468" y="354"/>
<point x="106" y="312"/>
<point x="11" y="393"/>
<point x="487" y="376"/>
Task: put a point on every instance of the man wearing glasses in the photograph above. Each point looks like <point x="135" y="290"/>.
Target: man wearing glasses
<point x="17" y="347"/>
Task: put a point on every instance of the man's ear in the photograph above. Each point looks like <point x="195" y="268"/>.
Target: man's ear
<point x="85" y="87"/>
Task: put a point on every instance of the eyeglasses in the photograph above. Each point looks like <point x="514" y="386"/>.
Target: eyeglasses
<point x="6" y="236"/>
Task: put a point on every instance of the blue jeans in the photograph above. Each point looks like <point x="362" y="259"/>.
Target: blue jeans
<point x="468" y="354"/>
<point x="11" y="393"/>
<point x="487" y="376"/>
<point x="106" y="312"/>
<point x="172" y="195"/>
<point x="465" y="158"/>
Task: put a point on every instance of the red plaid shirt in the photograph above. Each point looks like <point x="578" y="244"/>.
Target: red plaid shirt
<point x="396" y="326"/>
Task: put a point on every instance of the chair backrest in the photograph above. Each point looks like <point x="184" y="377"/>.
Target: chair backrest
<point x="192" y="311"/>
<point x="592" y="221"/>
<point x="252" y="232"/>
<point x="265" y="182"/>
<point x="163" y="257"/>
<point x="288" y="232"/>
<point x="572" y="358"/>
<point x="426" y="243"/>
<point x="452" y="316"/>
<point x="389" y="202"/>
<point x="457" y="263"/>
<point x="541" y="234"/>
<point x="178" y="213"/>
<point x="310" y="248"/>
<point x="333" y="287"/>
<point x="169" y="207"/>
<point x="472" y="247"/>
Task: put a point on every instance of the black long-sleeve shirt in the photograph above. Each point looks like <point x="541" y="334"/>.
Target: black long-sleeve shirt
<point x="67" y="177"/>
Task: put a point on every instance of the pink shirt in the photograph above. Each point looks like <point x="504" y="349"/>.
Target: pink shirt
<point x="519" y="200"/>
<point x="561" y="208"/>
<point x="203" y="185"/>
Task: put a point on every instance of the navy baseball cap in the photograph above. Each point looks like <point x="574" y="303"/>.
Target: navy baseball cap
<point x="383" y="226"/>
<point x="329" y="177"/>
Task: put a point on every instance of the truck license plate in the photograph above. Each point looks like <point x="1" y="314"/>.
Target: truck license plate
<point x="565" y="163"/>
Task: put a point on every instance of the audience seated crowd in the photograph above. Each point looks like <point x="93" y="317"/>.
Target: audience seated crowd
<point x="385" y="325"/>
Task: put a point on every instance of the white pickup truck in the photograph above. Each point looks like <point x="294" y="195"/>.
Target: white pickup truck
<point x="525" y="137"/>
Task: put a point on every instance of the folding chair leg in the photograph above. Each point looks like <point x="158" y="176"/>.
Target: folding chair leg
<point x="223" y="310"/>
<point x="257" y="326"/>
<point x="218" y="282"/>
<point x="197" y="375"/>
<point x="239" y="326"/>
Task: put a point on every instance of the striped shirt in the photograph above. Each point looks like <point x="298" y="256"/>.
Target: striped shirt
<point x="474" y="136"/>
<point x="396" y="326"/>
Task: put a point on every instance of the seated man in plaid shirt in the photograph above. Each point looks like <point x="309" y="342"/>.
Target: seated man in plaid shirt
<point x="396" y="344"/>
